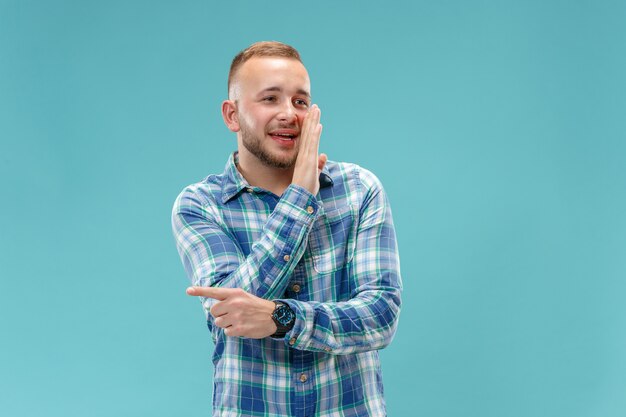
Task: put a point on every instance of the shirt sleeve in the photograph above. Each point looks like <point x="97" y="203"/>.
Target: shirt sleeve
<point x="212" y="257"/>
<point x="368" y="320"/>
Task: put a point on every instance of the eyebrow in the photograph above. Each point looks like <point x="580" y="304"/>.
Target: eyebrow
<point x="276" y="88"/>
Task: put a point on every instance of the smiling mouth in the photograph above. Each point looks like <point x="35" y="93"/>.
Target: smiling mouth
<point x="287" y="137"/>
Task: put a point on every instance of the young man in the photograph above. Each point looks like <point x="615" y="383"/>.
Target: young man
<point x="294" y="257"/>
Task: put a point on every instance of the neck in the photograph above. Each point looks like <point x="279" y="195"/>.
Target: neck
<point x="258" y="174"/>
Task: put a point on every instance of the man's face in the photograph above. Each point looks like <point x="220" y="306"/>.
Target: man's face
<point x="272" y="96"/>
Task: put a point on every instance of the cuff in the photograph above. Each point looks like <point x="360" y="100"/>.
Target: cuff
<point x="299" y="203"/>
<point x="301" y="336"/>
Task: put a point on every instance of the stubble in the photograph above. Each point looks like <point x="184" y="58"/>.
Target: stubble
<point x="255" y="146"/>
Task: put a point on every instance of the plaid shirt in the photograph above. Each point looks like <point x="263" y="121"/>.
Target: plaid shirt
<point x="332" y="258"/>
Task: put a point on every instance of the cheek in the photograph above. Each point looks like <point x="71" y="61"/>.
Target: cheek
<point x="254" y="119"/>
<point x="301" y="114"/>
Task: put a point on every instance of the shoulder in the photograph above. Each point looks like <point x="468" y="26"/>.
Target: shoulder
<point x="352" y="185"/>
<point x="204" y="193"/>
<point x="347" y="172"/>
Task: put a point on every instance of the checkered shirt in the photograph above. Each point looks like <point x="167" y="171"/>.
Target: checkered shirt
<point x="332" y="258"/>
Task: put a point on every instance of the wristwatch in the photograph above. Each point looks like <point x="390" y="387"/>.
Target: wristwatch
<point x="284" y="318"/>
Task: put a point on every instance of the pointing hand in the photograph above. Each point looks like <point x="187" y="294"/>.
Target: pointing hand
<point x="238" y="312"/>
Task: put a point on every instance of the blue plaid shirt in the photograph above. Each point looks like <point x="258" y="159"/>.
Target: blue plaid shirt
<point x="332" y="258"/>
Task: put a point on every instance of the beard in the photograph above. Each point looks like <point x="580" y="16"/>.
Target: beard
<point x="254" y="145"/>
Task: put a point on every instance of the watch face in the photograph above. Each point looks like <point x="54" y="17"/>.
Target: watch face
<point x="283" y="314"/>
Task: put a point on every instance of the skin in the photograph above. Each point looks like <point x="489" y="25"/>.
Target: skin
<point x="268" y="94"/>
<point x="238" y="312"/>
<point x="252" y="112"/>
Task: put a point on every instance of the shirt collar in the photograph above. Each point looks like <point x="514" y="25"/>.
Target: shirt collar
<point x="233" y="182"/>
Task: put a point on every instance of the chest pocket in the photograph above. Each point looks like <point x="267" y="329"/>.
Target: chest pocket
<point x="331" y="241"/>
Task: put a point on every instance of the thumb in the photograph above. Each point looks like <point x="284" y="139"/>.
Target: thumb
<point x="322" y="161"/>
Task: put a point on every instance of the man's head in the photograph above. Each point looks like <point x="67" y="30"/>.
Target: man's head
<point x="269" y="96"/>
<point x="260" y="49"/>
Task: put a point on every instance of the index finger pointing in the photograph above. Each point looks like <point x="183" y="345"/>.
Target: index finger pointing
<point x="210" y="292"/>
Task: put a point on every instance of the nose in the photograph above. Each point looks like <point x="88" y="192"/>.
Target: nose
<point x="288" y="114"/>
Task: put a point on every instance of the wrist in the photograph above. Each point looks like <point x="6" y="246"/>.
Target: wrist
<point x="283" y="317"/>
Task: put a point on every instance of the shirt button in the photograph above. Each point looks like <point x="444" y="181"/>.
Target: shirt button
<point x="286" y="258"/>
<point x="249" y="189"/>
<point x="303" y="378"/>
<point x="327" y="349"/>
<point x="310" y="210"/>
<point x="292" y="341"/>
<point x="296" y="288"/>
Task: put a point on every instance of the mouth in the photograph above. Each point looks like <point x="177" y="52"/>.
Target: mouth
<point x="284" y="136"/>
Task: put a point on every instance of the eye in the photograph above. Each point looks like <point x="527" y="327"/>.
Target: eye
<point x="301" y="102"/>
<point x="269" y="99"/>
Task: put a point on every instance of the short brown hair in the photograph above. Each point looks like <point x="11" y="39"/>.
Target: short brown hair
<point x="264" y="48"/>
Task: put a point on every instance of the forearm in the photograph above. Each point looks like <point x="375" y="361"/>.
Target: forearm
<point x="366" y="318"/>
<point x="212" y="258"/>
<point x="367" y="322"/>
<point x="265" y="271"/>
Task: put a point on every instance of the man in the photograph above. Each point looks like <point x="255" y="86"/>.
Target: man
<point x="294" y="256"/>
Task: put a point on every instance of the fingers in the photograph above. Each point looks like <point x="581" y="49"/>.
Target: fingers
<point x="309" y="135"/>
<point x="222" y="321"/>
<point x="312" y="116"/>
<point x="311" y="130"/>
<point x="211" y="292"/>
<point x="315" y="114"/>
<point x="219" y="309"/>
<point x="308" y="163"/>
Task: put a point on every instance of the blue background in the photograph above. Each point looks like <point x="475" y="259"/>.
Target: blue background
<point x="497" y="127"/>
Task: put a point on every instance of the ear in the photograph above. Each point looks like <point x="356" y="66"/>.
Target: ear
<point x="229" y="114"/>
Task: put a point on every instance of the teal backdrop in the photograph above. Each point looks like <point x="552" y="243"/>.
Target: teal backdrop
<point x="497" y="127"/>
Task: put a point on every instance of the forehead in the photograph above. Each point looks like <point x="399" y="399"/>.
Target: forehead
<point x="260" y="73"/>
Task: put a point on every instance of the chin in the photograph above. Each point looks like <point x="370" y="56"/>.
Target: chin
<point x="281" y="164"/>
